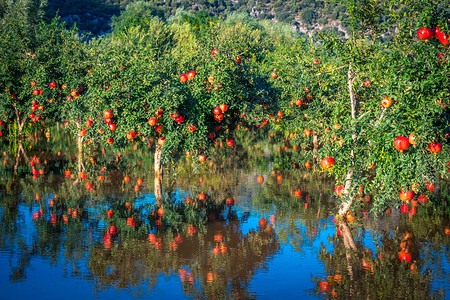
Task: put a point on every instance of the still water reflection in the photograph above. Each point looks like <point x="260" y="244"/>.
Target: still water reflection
<point x="215" y="237"/>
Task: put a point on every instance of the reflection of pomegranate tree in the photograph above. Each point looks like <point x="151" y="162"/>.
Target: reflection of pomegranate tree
<point x="61" y="212"/>
<point x="214" y="261"/>
<point x="296" y="197"/>
<point x="354" y="271"/>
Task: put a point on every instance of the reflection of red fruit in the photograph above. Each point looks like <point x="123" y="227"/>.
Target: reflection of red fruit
<point x="107" y="237"/>
<point x="183" y="274"/>
<point x="404" y="256"/>
<point x="158" y="245"/>
<point x="178" y="239"/>
<point x="151" y="237"/>
<point x="366" y="265"/>
<point x="325" y="286"/>
<point x="262" y="222"/>
<point x="131" y="222"/>
<point x="230" y="201"/>
<point x="223" y="248"/>
<point x="112" y="229"/>
<point x="161" y="212"/>
<point x="218" y="238"/>
<point x="216" y="250"/>
<point x="191" y="230"/>
<point x="260" y="179"/>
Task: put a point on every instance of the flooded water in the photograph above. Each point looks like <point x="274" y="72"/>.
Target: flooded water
<point x="278" y="239"/>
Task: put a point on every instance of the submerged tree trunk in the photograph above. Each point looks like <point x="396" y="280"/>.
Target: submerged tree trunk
<point x="349" y="241"/>
<point x="351" y="253"/>
<point x="158" y="175"/>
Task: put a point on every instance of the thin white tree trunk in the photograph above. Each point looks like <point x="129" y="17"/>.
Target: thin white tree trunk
<point x="349" y="198"/>
<point x="158" y="175"/>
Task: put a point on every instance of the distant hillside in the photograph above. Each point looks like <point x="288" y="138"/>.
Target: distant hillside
<point x="304" y="15"/>
<point x="89" y="15"/>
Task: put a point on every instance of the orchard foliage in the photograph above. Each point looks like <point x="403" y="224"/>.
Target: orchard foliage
<point x="139" y="71"/>
<point x="189" y="82"/>
<point x="335" y="90"/>
<point x="38" y="69"/>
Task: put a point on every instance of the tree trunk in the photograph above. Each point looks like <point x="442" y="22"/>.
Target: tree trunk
<point x="80" y="154"/>
<point x="315" y="146"/>
<point x="20" y="128"/>
<point x="345" y="206"/>
<point x="20" y="124"/>
<point x="158" y="175"/>
<point x="80" y="139"/>
<point x="437" y="191"/>
<point x="20" y="150"/>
